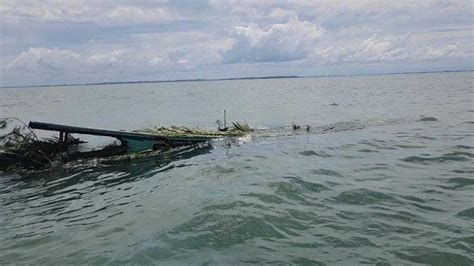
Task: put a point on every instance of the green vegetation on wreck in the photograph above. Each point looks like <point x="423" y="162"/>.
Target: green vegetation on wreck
<point x="237" y="130"/>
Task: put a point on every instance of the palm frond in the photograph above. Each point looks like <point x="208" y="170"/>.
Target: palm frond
<point x="239" y="129"/>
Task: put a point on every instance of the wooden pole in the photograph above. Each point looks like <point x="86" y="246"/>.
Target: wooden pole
<point x="121" y="135"/>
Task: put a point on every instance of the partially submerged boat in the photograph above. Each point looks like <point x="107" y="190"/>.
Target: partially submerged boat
<point x="22" y="149"/>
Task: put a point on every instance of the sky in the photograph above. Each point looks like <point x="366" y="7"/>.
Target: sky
<point x="86" y="41"/>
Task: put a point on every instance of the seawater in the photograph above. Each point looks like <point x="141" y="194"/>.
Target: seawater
<point x="373" y="182"/>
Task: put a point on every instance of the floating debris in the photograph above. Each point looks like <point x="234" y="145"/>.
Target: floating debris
<point x="428" y="118"/>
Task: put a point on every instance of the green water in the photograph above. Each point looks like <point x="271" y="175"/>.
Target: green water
<point x="372" y="183"/>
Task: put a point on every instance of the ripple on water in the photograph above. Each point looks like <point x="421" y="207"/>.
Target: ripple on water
<point x="326" y="172"/>
<point x="321" y="154"/>
<point x="267" y="198"/>
<point x="467" y="213"/>
<point x="363" y="196"/>
<point x="447" y="157"/>
<point x="289" y="191"/>
<point x="410" y="146"/>
<point x="367" y="150"/>
<point x="308" y="186"/>
<point x="431" y="256"/>
<point x="306" y="261"/>
<point x="462" y="243"/>
<point x="458" y="182"/>
<point x="463" y="147"/>
<point x="351" y="242"/>
<point x="223" y="230"/>
<point x="382" y="229"/>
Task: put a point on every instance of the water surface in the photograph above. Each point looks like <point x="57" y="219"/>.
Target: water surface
<point x="373" y="182"/>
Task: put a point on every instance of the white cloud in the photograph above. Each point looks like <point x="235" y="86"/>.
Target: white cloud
<point x="383" y="49"/>
<point x="44" y="58"/>
<point x="279" y="13"/>
<point x="40" y="63"/>
<point x="80" y="11"/>
<point x="183" y="62"/>
<point x="374" y="50"/>
<point x="280" y="42"/>
<point x="157" y="60"/>
<point x="123" y="15"/>
<point x="456" y="50"/>
<point x="107" y="58"/>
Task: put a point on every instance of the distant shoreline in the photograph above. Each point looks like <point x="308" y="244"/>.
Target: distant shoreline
<point x="227" y="79"/>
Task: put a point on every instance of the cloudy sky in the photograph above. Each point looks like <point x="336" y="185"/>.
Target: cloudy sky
<point x="80" y="41"/>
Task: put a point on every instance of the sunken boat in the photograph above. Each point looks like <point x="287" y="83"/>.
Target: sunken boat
<point x="22" y="149"/>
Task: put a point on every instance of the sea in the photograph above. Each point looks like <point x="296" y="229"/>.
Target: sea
<point x="380" y="172"/>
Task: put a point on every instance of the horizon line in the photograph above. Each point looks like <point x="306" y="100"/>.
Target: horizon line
<point x="226" y="79"/>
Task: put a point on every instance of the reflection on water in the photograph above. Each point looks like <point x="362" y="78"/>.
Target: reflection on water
<point x="386" y="187"/>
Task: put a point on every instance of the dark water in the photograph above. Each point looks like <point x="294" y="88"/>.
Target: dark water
<point x="371" y="184"/>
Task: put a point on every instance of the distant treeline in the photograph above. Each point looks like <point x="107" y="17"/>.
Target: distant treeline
<point x="220" y="79"/>
<point x="152" y="81"/>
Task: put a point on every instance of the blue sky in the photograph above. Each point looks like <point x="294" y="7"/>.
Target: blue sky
<point x="79" y="41"/>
